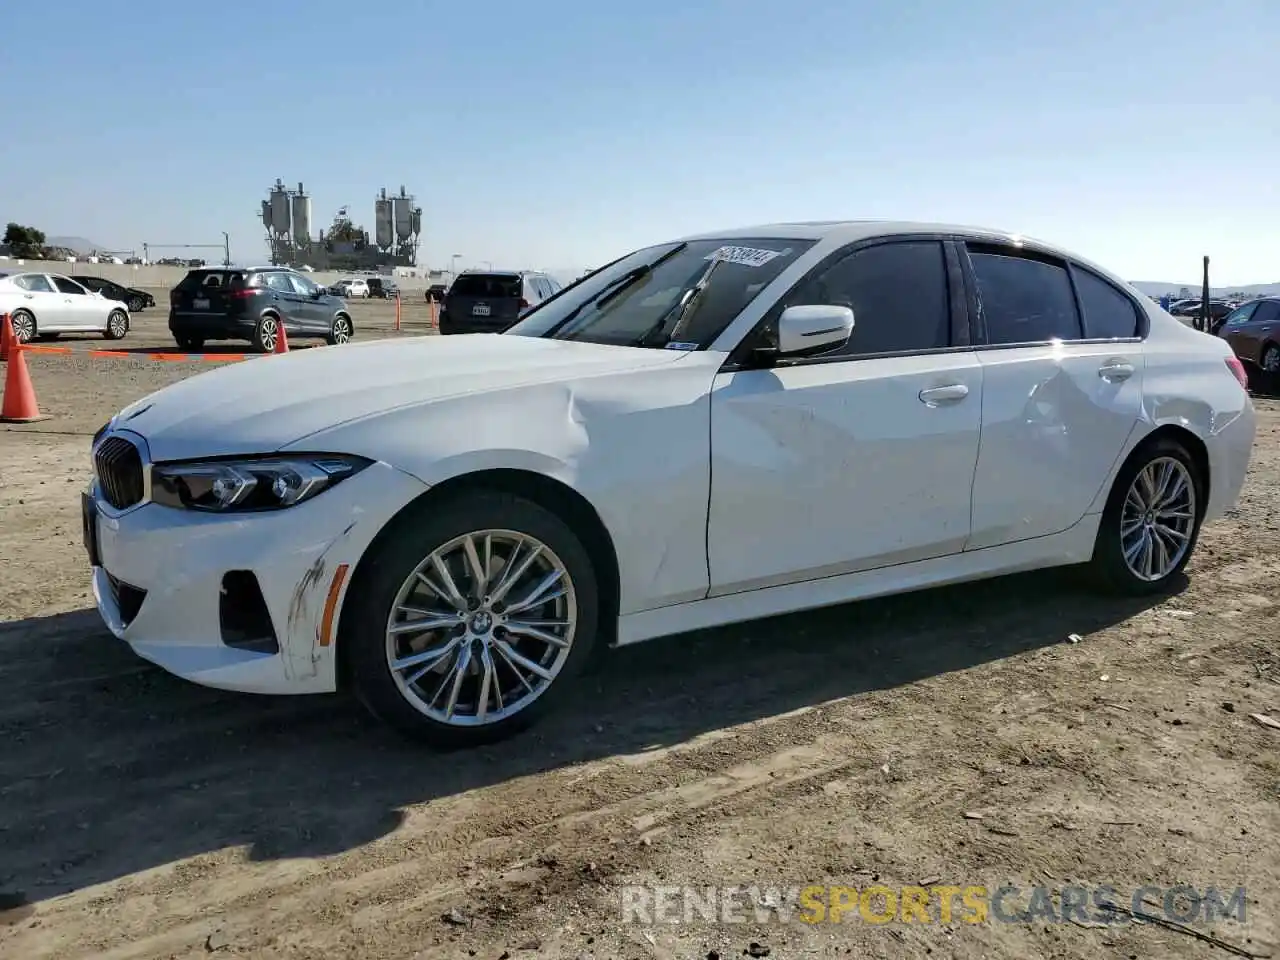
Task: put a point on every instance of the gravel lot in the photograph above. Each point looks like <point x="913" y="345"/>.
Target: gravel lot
<point x="954" y="737"/>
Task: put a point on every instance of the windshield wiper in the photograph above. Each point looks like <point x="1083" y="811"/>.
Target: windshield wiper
<point x="682" y="310"/>
<point x="612" y="290"/>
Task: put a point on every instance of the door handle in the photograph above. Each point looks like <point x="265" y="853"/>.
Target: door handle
<point x="951" y="393"/>
<point x="1116" y="370"/>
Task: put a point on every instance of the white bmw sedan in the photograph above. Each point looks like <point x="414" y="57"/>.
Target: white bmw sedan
<point x="709" y="430"/>
<point x="47" y="304"/>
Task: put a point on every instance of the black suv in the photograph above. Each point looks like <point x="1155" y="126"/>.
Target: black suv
<point x="383" y="287"/>
<point x="133" y="298"/>
<point x="491" y="301"/>
<point x="250" y="303"/>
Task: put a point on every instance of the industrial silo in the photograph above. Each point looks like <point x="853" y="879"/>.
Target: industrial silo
<point x="280" y="219"/>
<point x="301" y="218"/>
<point x="404" y="216"/>
<point x="383" y="222"/>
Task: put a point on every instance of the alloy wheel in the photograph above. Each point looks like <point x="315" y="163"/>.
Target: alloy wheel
<point x="118" y="324"/>
<point x="23" y="327"/>
<point x="341" y="330"/>
<point x="1271" y="360"/>
<point x="268" y="336"/>
<point x="481" y="628"/>
<point x="1158" y="519"/>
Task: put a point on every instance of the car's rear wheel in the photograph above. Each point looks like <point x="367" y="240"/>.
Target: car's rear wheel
<point x="24" y="326"/>
<point x="471" y="620"/>
<point x="117" y="325"/>
<point x="339" y="330"/>
<point x="265" y="333"/>
<point x="1270" y="361"/>
<point x="190" y="344"/>
<point x="135" y="304"/>
<point x="1152" y="519"/>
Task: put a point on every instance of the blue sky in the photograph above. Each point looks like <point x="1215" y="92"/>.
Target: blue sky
<point x="1140" y="133"/>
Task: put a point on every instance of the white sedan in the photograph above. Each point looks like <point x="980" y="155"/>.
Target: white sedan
<point x="352" y="288"/>
<point x="709" y="430"/>
<point x="47" y="304"/>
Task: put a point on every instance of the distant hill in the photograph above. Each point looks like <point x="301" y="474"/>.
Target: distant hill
<point x="78" y="245"/>
<point x="1154" y="289"/>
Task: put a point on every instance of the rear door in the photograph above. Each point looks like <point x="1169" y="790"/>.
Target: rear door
<point x="1062" y="362"/>
<point x="1247" y="337"/>
<point x="286" y="299"/>
<point x="486" y="302"/>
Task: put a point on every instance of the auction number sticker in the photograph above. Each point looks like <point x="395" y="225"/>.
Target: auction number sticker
<point x="747" y="256"/>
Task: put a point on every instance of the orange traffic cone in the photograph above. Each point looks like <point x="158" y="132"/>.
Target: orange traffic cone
<point x="6" y="335"/>
<point x="19" y="395"/>
<point x="282" y="339"/>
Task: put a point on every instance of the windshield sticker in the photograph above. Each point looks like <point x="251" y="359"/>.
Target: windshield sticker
<point x="747" y="256"/>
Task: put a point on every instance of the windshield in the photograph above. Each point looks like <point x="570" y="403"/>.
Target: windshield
<point x="623" y="302"/>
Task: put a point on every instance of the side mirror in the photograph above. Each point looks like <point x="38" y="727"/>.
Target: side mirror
<point x="813" y="328"/>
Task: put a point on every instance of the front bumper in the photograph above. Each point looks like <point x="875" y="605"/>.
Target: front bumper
<point x="162" y="572"/>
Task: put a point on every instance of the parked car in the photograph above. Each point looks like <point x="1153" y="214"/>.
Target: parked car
<point x="231" y="303"/>
<point x="436" y="292"/>
<point x="1190" y="309"/>
<point x="383" y="287"/>
<point x="46" y="305"/>
<point x="351" y="288"/>
<point x="730" y="426"/>
<point x="1253" y="331"/>
<point x="137" y="300"/>
<point x="490" y="301"/>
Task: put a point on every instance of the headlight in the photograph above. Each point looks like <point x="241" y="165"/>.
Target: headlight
<point x="269" y="483"/>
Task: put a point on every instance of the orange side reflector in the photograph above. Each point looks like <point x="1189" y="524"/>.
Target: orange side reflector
<point x="331" y="604"/>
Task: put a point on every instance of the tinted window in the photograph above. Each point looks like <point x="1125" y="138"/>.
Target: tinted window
<point x="1024" y="301"/>
<point x="302" y="285"/>
<point x="35" y="282"/>
<point x="1108" y="313"/>
<point x="489" y="285"/>
<point x="211" y="278"/>
<point x="898" y="294"/>
<point x="1242" y="314"/>
<point x="1268" y="311"/>
<point x="279" y="282"/>
<point x="66" y="285"/>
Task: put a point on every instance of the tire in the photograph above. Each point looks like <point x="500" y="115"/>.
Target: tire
<point x="389" y="578"/>
<point x="117" y="325"/>
<point x="135" y="304"/>
<point x="340" y="330"/>
<point x="24" y="326"/>
<point x="265" y="332"/>
<point x="188" y="343"/>
<point x="1183" y="513"/>
<point x="1270" y="359"/>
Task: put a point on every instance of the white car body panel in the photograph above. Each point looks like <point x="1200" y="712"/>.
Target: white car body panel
<point x="728" y="495"/>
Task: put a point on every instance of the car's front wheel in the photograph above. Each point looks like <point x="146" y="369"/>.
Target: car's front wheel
<point x="471" y="620"/>
<point x="135" y="304"/>
<point x="339" y="330"/>
<point x="1152" y="519"/>
<point x="117" y="325"/>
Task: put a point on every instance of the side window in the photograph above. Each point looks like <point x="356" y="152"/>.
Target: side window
<point x="35" y="282"/>
<point x="1242" y="314"/>
<point x="301" y="285"/>
<point x="898" y="294"/>
<point x="1108" y="313"/>
<point x="1268" y="312"/>
<point x="1024" y="300"/>
<point x="279" y="283"/>
<point x="68" y="286"/>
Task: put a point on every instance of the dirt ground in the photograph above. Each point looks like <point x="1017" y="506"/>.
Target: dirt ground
<point x="960" y="736"/>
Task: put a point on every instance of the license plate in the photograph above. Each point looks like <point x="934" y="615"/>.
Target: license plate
<point x="200" y="304"/>
<point x="89" y="513"/>
<point x="480" y="310"/>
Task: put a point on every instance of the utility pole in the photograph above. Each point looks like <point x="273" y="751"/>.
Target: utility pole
<point x="1204" y="299"/>
<point x="226" y="249"/>
<point x="146" y="253"/>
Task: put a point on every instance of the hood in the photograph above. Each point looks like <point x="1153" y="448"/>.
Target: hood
<point x="265" y="403"/>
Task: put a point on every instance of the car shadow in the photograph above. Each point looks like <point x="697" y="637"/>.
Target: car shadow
<point x="211" y="350"/>
<point x="112" y="767"/>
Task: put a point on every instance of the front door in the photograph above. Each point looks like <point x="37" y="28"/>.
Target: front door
<point x="312" y="312"/>
<point x="858" y="459"/>
<point x="1062" y="391"/>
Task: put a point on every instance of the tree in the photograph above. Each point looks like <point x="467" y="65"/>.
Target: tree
<point x="23" y="241"/>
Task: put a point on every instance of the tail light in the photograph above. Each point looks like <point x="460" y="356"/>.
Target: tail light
<point x="1240" y="372"/>
<point x="241" y="293"/>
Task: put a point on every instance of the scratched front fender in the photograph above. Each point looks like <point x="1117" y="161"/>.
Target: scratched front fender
<point x="179" y="558"/>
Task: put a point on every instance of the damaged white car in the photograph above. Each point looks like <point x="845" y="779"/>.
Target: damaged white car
<point x="709" y="430"/>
